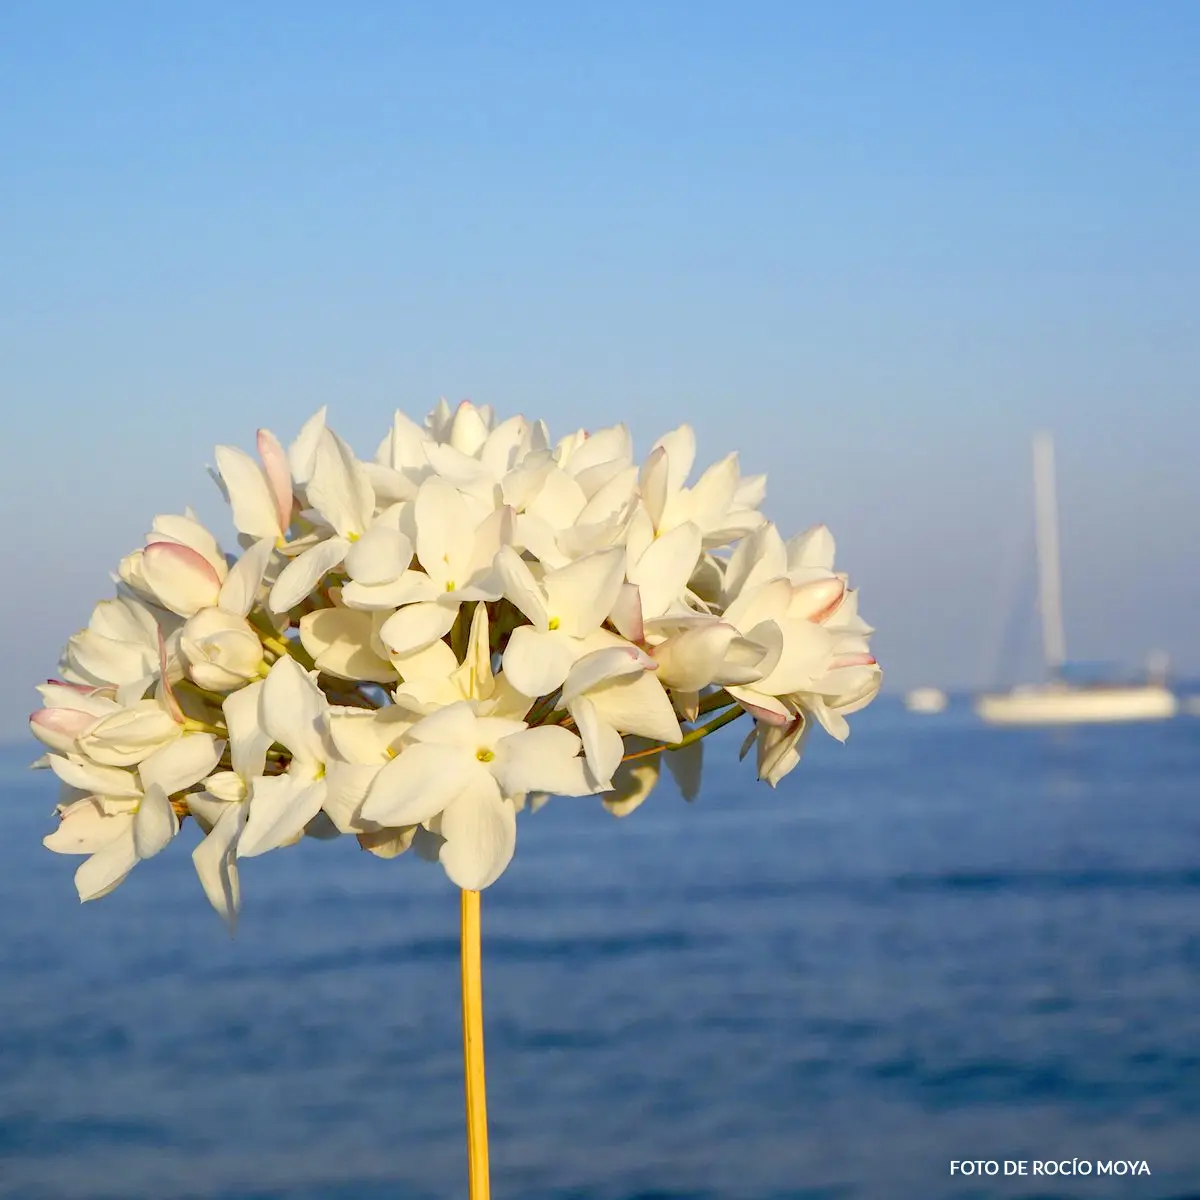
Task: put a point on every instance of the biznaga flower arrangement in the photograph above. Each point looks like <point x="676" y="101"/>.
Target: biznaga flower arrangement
<point x="414" y="649"/>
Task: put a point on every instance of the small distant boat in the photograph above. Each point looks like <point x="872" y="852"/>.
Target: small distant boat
<point x="1060" y="701"/>
<point x="925" y="700"/>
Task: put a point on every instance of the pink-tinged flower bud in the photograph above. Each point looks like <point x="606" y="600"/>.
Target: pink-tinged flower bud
<point x="853" y="660"/>
<point x="130" y="571"/>
<point x="222" y="650"/>
<point x="84" y="689"/>
<point x="58" y="728"/>
<point x="129" y="736"/>
<point x="694" y="658"/>
<point x="818" y="600"/>
<point x="179" y="578"/>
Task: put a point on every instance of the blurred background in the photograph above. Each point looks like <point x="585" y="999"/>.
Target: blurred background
<point x="874" y="248"/>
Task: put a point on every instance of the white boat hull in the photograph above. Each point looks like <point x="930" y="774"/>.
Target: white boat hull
<point x="925" y="700"/>
<point x="1077" y="705"/>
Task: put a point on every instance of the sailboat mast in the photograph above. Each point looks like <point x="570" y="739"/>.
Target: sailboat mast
<point x="1049" y="579"/>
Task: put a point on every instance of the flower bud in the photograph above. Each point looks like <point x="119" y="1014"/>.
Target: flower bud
<point x="127" y="737"/>
<point x="179" y="578"/>
<point x="222" y="650"/>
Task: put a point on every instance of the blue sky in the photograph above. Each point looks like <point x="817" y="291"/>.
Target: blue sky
<point x="871" y="246"/>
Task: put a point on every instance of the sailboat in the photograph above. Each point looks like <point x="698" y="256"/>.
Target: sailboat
<point x="1059" y="701"/>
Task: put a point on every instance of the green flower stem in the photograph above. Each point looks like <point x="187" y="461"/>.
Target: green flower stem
<point x="280" y="646"/>
<point x="190" y="725"/>
<point x="718" y="699"/>
<point x="693" y="735"/>
<point x="212" y="697"/>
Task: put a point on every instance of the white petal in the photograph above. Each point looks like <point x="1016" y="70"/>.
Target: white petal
<point x="107" y="868"/>
<point x="188" y="531"/>
<point x="339" y="488"/>
<point x="807" y="651"/>
<point x="363" y="736"/>
<point x="411" y="587"/>
<point x="207" y="809"/>
<point x="468" y="428"/>
<point x="404" y="447"/>
<point x="637" y="705"/>
<point x="85" y="828"/>
<point x="418" y="784"/>
<point x="240" y="589"/>
<point x="559" y="501"/>
<point x="278" y="476"/>
<point x="662" y="573"/>
<point x="812" y="548"/>
<point x="680" y="445"/>
<point x="90" y="777"/>
<point x="300" y="577"/>
<point x="502" y="449"/>
<point x="106" y="660"/>
<point x="185" y="761"/>
<point x="216" y="864"/>
<point x="445" y="531"/>
<point x="129" y="735"/>
<point x="381" y="555"/>
<point x="583" y="594"/>
<point x="302" y="453"/>
<point x="154" y="824"/>
<point x="292" y="710"/>
<point x="416" y="625"/>
<point x="494" y="531"/>
<point x="764" y="602"/>
<point x="346" y="787"/>
<point x="435" y="662"/>
<point x="691" y="660"/>
<point x="339" y="639"/>
<point x="454" y="725"/>
<point x="474" y="676"/>
<point x="248" y="740"/>
<point x="543" y="759"/>
<point x="653" y="481"/>
<point x="602" y="744"/>
<point x="627" y="615"/>
<point x="602" y="666"/>
<point x="714" y="490"/>
<point x="480" y="832"/>
<point x="520" y="587"/>
<point x="391" y="843"/>
<point x="249" y="494"/>
<point x="280" y="807"/>
<point x="467" y="474"/>
<point x="769" y="709"/>
<point x="536" y="663"/>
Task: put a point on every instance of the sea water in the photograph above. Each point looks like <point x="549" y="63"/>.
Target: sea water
<point x="936" y="943"/>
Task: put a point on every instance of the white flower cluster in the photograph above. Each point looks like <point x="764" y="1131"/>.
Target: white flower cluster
<point x="413" y="649"/>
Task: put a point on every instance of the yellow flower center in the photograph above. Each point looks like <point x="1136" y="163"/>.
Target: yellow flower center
<point x="553" y="623"/>
<point x="484" y="754"/>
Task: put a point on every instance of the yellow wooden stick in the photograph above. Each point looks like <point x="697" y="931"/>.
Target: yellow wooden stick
<point x="476" y="1087"/>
